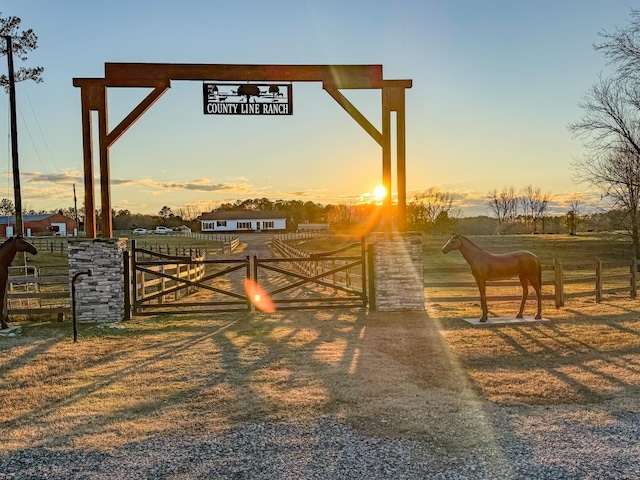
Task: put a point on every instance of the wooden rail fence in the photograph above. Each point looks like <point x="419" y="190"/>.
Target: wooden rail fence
<point x="346" y="278"/>
<point x="594" y="279"/>
<point x="43" y="290"/>
<point x="227" y="244"/>
<point x="148" y="284"/>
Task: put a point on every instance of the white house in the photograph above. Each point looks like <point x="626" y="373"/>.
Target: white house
<point x="243" y="221"/>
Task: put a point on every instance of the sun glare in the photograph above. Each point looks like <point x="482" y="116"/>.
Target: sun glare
<point x="258" y="296"/>
<point x="380" y="192"/>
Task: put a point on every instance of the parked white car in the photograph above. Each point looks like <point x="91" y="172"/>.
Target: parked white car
<point x="139" y="231"/>
<point x="162" y="230"/>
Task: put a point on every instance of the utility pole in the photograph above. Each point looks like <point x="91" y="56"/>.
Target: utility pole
<point x="14" y="138"/>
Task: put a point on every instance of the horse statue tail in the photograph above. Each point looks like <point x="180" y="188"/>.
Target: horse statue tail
<point x="540" y="275"/>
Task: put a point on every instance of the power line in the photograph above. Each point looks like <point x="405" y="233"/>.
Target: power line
<point x="44" y="140"/>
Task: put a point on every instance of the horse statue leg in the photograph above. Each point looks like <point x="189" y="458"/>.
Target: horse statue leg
<point x="4" y="316"/>
<point x="482" y="284"/>
<point x="524" y="281"/>
<point x="3" y="305"/>
<point x="538" y="288"/>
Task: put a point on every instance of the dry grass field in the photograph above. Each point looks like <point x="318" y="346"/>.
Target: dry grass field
<point x="428" y="376"/>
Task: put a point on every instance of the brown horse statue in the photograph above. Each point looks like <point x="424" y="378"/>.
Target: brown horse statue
<point x="491" y="266"/>
<point x="8" y="251"/>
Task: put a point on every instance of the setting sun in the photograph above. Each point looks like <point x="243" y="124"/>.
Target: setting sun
<point x="379" y="192"/>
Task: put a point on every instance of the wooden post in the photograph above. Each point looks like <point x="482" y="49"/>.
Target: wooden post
<point x="363" y="269"/>
<point x="139" y="285"/>
<point x="333" y="267"/>
<point x="634" y="278"/>
<point x="387" y="217"/>
<point x="558" y="283"/>
<point x="87" y="152"/>
<point x="598" y="280"/>
<point x="105" y="168"/>
<point x="126" y="261"/>
<point x="371" y="278"/>
<point x="134" y="271"/>
<point x="14" y="143"/>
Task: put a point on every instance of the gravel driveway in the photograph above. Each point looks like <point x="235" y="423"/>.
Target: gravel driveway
<point x="325" y="449"/>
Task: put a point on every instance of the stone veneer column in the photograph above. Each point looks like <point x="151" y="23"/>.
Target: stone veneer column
<point x="398" y="271"/>
<point x="99" y="298"/>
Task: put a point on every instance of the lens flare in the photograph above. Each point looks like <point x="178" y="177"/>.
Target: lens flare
<point x="258" y="296"/>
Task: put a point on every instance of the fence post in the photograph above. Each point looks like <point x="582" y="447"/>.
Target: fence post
<point x="598" y="280"/>
<point x="371" y="278"/>
<point x="634" y="278"/>
<point x="162" y="299"/>
<point x="558" y="283"/>
<point x="176" y="293"/>
<point x="133" y="281"/>
<point x="127" y="284"/>
<point x="363" y="269"/>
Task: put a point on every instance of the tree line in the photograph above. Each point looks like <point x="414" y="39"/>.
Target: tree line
<point x="430" y="211"/>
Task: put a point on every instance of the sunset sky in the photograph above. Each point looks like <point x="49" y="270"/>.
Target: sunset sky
<point x="495" y="84"/>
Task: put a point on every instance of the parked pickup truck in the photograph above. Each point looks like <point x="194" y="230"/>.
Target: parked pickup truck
<point x="162" y="230"/>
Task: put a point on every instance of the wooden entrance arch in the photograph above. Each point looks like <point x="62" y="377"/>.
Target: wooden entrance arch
<point x="158" y="76"/>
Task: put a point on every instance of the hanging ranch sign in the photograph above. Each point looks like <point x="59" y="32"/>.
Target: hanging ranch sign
<point x="247" y="99"/>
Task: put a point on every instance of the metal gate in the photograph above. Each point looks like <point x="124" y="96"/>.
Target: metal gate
<point x="175" y="284"/>
<point x="321" y="280"/>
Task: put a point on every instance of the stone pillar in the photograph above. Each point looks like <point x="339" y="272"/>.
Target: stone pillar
<point x="398" y="271"/>
<point x="100" y="297"/>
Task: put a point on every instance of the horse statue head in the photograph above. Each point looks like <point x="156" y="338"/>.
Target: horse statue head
<point x="453" y="243"/>
<point x="12" y="246"/>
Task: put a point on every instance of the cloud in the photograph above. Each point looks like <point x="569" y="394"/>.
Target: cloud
<point x="198" y="185"/>
<point x="68" y="177"/>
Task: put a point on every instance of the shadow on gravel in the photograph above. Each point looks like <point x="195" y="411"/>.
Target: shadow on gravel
<point x="385" y="375"/>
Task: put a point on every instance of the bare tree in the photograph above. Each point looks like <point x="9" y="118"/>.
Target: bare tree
<point x="534" y="204"/>
<point x="574" y="215"/>
<point x="622" y="47"/>
<point x="610" y="127"/>
<point x="193" y="210"/>
<point x="503" y="204"/>
<point x="429" y="206"/>
<point x="610" y="130"/>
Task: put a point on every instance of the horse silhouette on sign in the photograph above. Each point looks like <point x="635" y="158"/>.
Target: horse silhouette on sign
<point x="8" y="251"/>
<point x="491" y="266"/>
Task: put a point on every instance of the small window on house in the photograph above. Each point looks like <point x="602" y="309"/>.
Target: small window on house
<point x="221" y="223"/>
<point x="244" y="225"/>
<point x="267" y="224"/>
